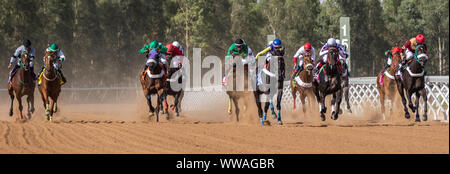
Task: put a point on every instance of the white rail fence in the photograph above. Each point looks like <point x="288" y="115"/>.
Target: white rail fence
<point x="362" y="93"/>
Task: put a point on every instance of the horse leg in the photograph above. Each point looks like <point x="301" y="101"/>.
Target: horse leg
<point x="417" y="106"/>
<point x="158" y="106"/>
<point x="382" y="95"/>
<point x="423" y="93"/>
<point x="410" y="104"/>
<point x="151" y="110"/>
<point x="279" y="97"/>
<point x="302" y="99"/>
<point x="347" y="98"/>
<point x="11" y="95"/>
<point x="236" y="105"/>
<point x="30" y="106"/>
<point x="19" y="99"/>
<point x="164" y="104"/>
<point x="175" y="103"/>
<point x="402" y="95"/>
<point x="338" y="105"/>
<point x="333" y="105"/>
<point x="322" y="108"/>
<point x="258" y="105"/>
<point x="294" y="95"/>
<point x="52" y="104"/>
<point x="229" y="105"/>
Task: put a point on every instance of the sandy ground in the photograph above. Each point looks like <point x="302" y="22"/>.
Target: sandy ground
<point x="124" y="128"/>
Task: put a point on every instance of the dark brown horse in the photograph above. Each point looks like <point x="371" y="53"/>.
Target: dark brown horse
<point x="174" y="83"/>
<point x="153" y="82"/>
<point x="412" y="80"/>
<point x="386" y="83"/>
<point x="302" y="83"/>
<point x="329" y="83"/>
<point x="22" y="83"/>
<point x="50" y="86"/>
<point x="277" y="79"/>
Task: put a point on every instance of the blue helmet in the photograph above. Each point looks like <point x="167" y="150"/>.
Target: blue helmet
<point x="276" y="42"/>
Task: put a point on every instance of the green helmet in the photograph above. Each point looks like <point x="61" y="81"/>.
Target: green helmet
<point x="53" y="48"/>
<point x="154" y="44"/>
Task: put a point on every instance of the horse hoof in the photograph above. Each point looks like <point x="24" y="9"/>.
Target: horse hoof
<point x="177" y="114"/>
<point x="340" y="111"/>
<point x="10" y="113"/>
<point x="151" y="114"/>
<point x="425" y="118"/>
<point x="350" y="111"/>
<point x="280" y="122"/>
<point x="407" y="116"/>
<point x="322" y="117"/>
<point x="229" y="112"/>
<point x="417" y="119"/>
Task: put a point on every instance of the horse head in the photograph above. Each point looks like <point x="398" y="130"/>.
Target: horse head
<point x="396" y="59"/>
<point x="333" y="58"/>
<point x="421" y="55"/>
<point x="25" y="60"/>
<point x="307" y="62"/>
<point x="49" y="59"/>
<point x="153" y="60"/>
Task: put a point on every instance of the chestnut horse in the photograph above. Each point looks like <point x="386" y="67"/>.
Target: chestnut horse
<point x="153" y="83"/>
<point x="302" y="83"/>
<point x="412" y="80"/>
<point x="386" y="83"/>
<point x="22" y="84"/>
<point x="50" y="86"/>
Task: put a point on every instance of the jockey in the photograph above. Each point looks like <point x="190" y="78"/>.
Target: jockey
<point x="410" y="48"/>
<point x="175" y="53"/>
<point x="25" y="48"/>
<point x="238" y="48"/>
<point x="158" y="47"/>
<point x="389" y="54"/>
<point x="331" y="42"/>
<point x="274" y="48"/>
<point x="298" y="57"/>
<point x="175" y="43"/>
<point x="54" y="50"/>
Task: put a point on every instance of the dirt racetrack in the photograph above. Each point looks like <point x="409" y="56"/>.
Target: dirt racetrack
<point x="102" y="128"/>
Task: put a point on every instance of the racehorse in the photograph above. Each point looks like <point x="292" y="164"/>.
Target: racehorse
<point x="266" y="88"/>
<point x="412" y="80"/>
<point x="153" y="83"/>
<point x="302" y="83"/>
<point x="50" y="86"/>
<point x="22" y="84"/>
<point x="235" y="95"/>
<point x="174" y="75"/>
<point x="386" y="83"/>
<point x="329" y="82"/>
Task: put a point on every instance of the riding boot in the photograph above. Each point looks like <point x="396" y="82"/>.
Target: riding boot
<point x="62" y="77"/>
<point x="11" y="74"/>
<point x="145" y="67"/>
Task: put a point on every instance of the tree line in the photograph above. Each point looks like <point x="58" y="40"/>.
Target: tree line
<point x="101" y="38"/>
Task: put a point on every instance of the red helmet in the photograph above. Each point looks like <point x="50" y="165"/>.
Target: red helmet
<point x="170" y="48"/>
<point x="307" y="46"/>
<point x="396" y="49"/>
<point x="420" y="38"/>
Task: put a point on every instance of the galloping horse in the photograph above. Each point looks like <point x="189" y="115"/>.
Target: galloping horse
<point x="303" y="83"/>
<point x="50" y="86"/>
<point x="22" y="84"/>
<point x="233" y="94"/>
<point x="386" y="83"/>
<point x="412" y="80"/>
<point x="329" y="83"/>
<point x="174" y="70"/>
<point x="279" y="89"/>
<point x="153" y="83"/>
